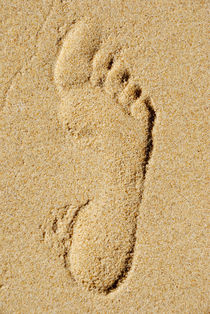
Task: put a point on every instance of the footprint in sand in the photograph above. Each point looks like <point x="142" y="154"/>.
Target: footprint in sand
<point x="106" y="113"/>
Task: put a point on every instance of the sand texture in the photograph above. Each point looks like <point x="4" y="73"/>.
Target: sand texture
<point x="104" y="158"/>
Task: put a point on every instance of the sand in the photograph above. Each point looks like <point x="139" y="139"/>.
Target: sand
<point x="104" y="159"/>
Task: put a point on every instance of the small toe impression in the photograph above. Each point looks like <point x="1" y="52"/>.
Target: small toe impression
<point x="102" y="64"/>
<point x="74" y="63"/>
<point x="117" y="79"/>
<point x="129" y="95"/>
<point x="101" y="67"/>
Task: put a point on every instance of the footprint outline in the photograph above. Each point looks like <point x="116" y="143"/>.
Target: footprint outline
<point x="127" y="96"/>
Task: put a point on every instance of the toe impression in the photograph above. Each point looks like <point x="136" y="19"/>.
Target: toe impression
<point x="74" y="63"/>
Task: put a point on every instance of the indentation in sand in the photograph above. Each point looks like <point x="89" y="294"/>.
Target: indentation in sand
<point x="101" y="100"/>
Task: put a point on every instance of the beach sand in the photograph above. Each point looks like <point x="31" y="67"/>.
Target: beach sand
<point x="104" y="159"/>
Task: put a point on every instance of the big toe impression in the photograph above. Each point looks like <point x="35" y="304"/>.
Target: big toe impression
<point x="74" y="63"/>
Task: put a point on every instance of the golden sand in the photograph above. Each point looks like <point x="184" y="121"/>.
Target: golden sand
<point x="104" y="132"/>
